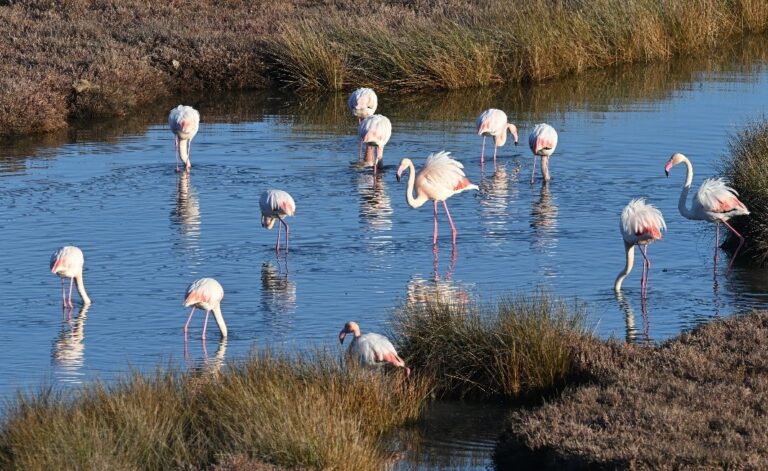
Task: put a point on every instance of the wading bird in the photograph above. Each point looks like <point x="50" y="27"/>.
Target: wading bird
<point x="205" y="293"/>
<point x="362" y="103"/>
<point x="439" y="179"/>
<point x="276" y="204"/>
<point x="371" y="349"/>
<point x="714" y="202"/>
<point x="493" y="122"/>
<point x="184" y="122"/>
<point x="67" y="262"/>
<point x="641" y="224"/>
<point x="375" y="131"/>
<point x="542" y="141"/>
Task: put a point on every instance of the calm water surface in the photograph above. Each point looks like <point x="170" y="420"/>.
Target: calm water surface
<point x="357" y="249"/>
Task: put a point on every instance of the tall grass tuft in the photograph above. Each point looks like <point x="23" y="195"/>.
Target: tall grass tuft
<point x="746" y="168"/>
<point x="520" y="346"/>
<point x="288" y="410"/>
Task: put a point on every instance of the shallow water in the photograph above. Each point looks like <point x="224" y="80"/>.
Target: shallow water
<point x="357" y="249"/>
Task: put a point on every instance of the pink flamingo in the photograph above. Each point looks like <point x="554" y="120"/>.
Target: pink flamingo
<point x="276" y="204"/>
<point x="439" y="179"/>
<point x="67" y="262"/>
<point x="205" y="293"/>
<point x="714" y="202"/>
<point x="371" y="349"/>
<point x="362" y="103"/>
<point x="641" y="224"/>
<point x="494" y="123"/>
<point x="542" y="141"/>
<point x="184" y="122"/>
<point x="375" y="131"/>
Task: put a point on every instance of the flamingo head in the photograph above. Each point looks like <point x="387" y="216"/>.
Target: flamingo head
<point x="267" y="222"/>
<point x="403" y="165"/>
<point x="513" y="130"/>
<point x="674" y="160"/>
<point x="350" y="327"/>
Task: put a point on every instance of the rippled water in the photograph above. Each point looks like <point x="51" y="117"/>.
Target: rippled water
<point x="357" y="249"/>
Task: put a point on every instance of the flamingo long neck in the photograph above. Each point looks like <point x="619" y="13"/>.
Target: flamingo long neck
<point x="81" y="289"/>
<point x="630" y="249"/>
<point x="681" y="204"/>
<point x="420" y="199"/>
<point x="184" y="150"/>
<point x="220" y="321"/>
<point x="545" y="167"/>
<point x="501" y="138"/>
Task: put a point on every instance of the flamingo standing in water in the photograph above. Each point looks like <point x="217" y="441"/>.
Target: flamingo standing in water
<point x="362" y="103"/>
<point x="714" y="202"/>
<point x="493" y="122"/>
<point x="542" y="141"/>
<point x="276" y="204"/>
<point x="375" y="131"/>
<point x="67" y="262"/>
<point x="641" y="224"/>
<point x="371" y="349"/>
<point x="184" y="122"/>
<point x="439" y="179"/>
<point x="205" y="293"/>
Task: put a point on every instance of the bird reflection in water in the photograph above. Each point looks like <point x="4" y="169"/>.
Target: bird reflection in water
<point x="632" y="335"/>
<point x="544" y="221"/>
<point x="494" y="200"/>
<point x="375" y="204"/>
<point x="278" y="293"/>
<point x="186" y="213"/>
<point x="206" y="364"/>
<point x="438" y="289"/>
<point x="68" y="349"/>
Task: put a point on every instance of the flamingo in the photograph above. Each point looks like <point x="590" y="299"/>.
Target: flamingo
<point x="362" y="103"/>
<point x="276" y="204"/>
<point x="439" y="179"/>
<point x="371" y="349"/>
<point x="714" y="202"/>
<point x="375" y="131"/>
<point x="641" y="224"/>
<point x="184" y="122"/>
<point x="67" y="262"/>
<point x="493" y="122"/>
<point x="205" y="293"/>
<point x="542" y="141"/>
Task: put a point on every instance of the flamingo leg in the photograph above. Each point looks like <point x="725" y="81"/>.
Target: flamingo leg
<point x="717" y="245"/>
<point x="177" y="153"/>
<point x="287" y="230"/>
<point x="186" y="326"/>
<point x="360" y="151"/>
<point x="63" y="293"/>
<point x="495" y="147"/>
<point x="205" y="325"/>
<point x="736" y="253"/>
<point x="189" y="154"/>
<point x="450" y="219"/>
<point x="379" y="157"/>
<point x="646" y="269"/>
<point x="434" y="233"/>
<point x="482" y="152"/>
<point x="277" y="244"/>
<point x="71" y="283"/>
<point x="533" y="174"/>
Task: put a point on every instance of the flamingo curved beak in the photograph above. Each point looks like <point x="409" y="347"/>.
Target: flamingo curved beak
<point x="668" y="167"/>
<point x="398" y="177"/>
<point x="342" y="334"/>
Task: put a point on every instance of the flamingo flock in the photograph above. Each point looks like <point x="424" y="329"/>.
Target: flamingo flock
<point x="440" y="177"/>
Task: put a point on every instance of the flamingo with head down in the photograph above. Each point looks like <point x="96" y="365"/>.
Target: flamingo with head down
<point x="542" y="141"/>
<point x="205" y="293"/>
<point x="493" y="122"/>
<point x="184" y="122"/>
<point x="641" y="224"/>
<point x="371" y="350"/>
<point x="375" y="132"/>
<point x="276" y="205"/>
<point x="67" y="262"/>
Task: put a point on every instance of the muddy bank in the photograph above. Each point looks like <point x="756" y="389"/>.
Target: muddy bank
<point x="698" y="401"/>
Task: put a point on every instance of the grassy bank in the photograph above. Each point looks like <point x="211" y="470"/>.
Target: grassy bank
<point x="698" y="401"/>
<point x="68" y="60"/>
<point x="304" y="412"/>
<point x="517" y="347"/>
<point x="746" y="168"/>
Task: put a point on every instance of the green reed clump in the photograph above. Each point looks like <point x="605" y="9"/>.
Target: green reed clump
<point x="520" y="345"/>
<point x="287" y="410"/>
<point x="746" y="168"/>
